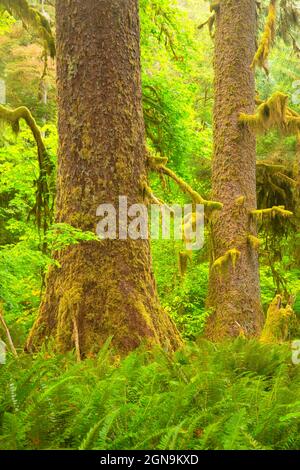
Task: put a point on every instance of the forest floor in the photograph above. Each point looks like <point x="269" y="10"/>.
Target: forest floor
<point x="236" y="395"/>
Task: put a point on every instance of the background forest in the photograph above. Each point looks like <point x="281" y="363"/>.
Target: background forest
<point x="239" y="394"/>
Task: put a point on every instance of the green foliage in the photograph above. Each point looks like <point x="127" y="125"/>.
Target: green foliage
<point x="183" y="298"/>
<point x="21" y="268"/>
<point x="239" y="395"/>
<point x="22" y="264"/>
<point x="289" y="279"/>
<point x="5" y="22"/>
<point x="22" y="61"/>
<point x="31" y="17"/>
<point x="19" y="171"/>
<point x="59" y="236"/>
<point x="176" y="83"/>
<point x="177" y="92"/>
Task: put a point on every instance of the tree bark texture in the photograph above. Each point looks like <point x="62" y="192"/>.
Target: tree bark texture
<point x="105" y="288"/>
<point x="234" y="292"/>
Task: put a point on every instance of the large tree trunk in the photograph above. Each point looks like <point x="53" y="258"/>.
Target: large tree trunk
<point x="102" y="288"/>
<point x="234" y="291"/>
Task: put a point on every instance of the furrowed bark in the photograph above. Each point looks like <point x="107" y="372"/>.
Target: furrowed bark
<point x="106" y="288"/>
<point x="234" y="290"/>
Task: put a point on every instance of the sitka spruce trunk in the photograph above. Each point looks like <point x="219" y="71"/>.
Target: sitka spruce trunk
<point x="234" y="289"/>
<point x="100" y="288"/>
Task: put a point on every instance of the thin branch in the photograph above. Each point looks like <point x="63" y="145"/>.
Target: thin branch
<point x="76" y="339"/>
<point x="148" y="191"/>
<point x="9" y="338"/>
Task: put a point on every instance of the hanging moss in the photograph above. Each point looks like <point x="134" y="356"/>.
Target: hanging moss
<point x="271" y="212"/>
<point x="254" y="242"/>
<point x="270" y="113"/>
<point x="223" y="263"/>
<point x="267" y="40"/>
<point x="276" y="187"/>
<point x="190" y="224"/>
<point x="293" y="124"/>
<point x="147" y="191"/>
<point x="287" y="179"/>
<point x="32" y="18"/>
<point x="279" y="323"/>
<point x="42" y="209"/>
<point x="273" y="113"/>
<point x="184" y="258"/>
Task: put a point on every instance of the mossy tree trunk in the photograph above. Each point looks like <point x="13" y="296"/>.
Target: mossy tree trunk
<point x="234" y="290"/>
<point x="101" y="288"/>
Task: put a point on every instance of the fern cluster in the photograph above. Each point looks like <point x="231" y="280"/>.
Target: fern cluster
<point x="238" y="395"/>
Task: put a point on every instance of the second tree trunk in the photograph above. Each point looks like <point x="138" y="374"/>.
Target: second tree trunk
<point x="234" y="291"/>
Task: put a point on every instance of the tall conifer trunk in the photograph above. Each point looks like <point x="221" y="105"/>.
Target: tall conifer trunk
<point x="106" y="288"/>
<point x="234" y="290"/>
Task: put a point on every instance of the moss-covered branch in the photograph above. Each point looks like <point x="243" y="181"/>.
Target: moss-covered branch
<point x="13" y="117"/>
<point x="271" y="212"/>
<point x="210" y="22"/>
<point x="148" y="193"/>
<point x="31" y="18"/>
<point x="273" y="113"/>
<point x="41" y="210"/>
<point x="159" y="165"/>
<point x="267" y="39"/>
<point x="270" y="167"/>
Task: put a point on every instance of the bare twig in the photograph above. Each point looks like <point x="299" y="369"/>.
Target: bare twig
<point x="76" y="339"/>
<point x="9" y="338"/>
